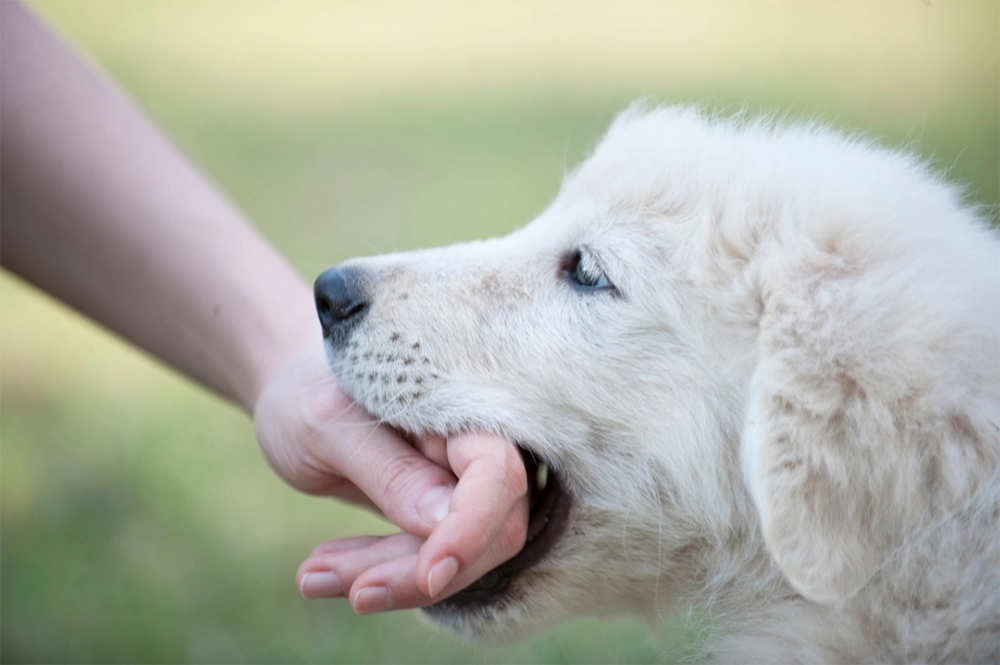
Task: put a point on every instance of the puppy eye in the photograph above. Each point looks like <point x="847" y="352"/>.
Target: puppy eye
<point x="586" y="272"/>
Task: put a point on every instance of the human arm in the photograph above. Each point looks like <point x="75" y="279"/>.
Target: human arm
<point x="99" y="209"/>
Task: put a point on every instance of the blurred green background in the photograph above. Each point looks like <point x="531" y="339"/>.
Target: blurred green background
<point x="139" y="522"/>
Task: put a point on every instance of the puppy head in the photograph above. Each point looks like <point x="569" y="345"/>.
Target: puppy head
<point x="578" y="338"/>
<point x="692" y="280"/>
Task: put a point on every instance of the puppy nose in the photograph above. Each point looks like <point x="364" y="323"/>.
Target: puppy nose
<point x="340" y="301"/>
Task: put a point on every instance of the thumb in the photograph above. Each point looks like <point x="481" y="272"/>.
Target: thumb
<point x="320" y="441"/>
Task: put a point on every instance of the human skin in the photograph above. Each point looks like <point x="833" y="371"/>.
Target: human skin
<point x="100" y="210"/>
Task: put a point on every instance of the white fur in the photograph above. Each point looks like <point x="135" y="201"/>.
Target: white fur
<point x="786" y="416"/>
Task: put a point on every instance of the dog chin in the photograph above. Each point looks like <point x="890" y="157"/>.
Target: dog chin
<point x="509" y="617"/>
<point x="494" y="625"/>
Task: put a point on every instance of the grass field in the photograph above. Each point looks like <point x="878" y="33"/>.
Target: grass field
<point x="139" y="523"/>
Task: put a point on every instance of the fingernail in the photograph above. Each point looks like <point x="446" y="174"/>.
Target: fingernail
<point x="433" y="505"/>
<point x="442" y="572"/>
<point x="324" y="584"/>
<point x="372" y="599"/>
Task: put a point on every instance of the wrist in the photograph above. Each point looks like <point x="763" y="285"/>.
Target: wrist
<point x="271" y="357"/>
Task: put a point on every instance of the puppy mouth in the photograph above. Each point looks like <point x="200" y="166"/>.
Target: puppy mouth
<point x="549" y="510"/>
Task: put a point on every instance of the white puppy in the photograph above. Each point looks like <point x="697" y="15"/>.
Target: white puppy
<point x="762" y="367"/>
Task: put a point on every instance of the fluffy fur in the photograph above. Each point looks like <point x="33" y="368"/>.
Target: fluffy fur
<point x="784" y="411"/>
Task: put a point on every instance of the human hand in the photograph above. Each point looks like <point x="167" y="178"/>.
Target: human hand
<point x="462" y="504"/>
<point x="236" y="309"/>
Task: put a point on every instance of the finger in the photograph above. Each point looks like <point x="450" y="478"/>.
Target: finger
<point x="488" y="515"/>
<point x="434" y="447"/>
<point x="392" y="585"/>
<point x="345" y="490"/>
<point x="344" y="544"/>
<point x="456" y="551"/>
<point x="389" y="586"/>
<point x="330" y="573"/>
<point x="411" y="490"/>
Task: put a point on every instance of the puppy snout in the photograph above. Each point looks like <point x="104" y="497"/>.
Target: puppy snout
<point x="341" y="302"/>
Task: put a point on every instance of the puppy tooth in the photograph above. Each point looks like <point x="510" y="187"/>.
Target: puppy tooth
<point x="542" y="476"/>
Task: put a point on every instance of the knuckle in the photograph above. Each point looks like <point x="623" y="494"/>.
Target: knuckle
<point x="395" y="477"/>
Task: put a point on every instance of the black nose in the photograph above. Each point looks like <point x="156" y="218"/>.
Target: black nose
<point x="340" y="302"/>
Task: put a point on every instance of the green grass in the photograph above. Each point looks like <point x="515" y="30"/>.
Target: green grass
<point x="139" y="523"/>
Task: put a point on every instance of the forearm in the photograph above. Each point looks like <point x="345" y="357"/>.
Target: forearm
<point x="100" y="210"/>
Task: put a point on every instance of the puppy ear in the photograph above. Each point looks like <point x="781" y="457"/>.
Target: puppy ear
<point x="845" y="447"/>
